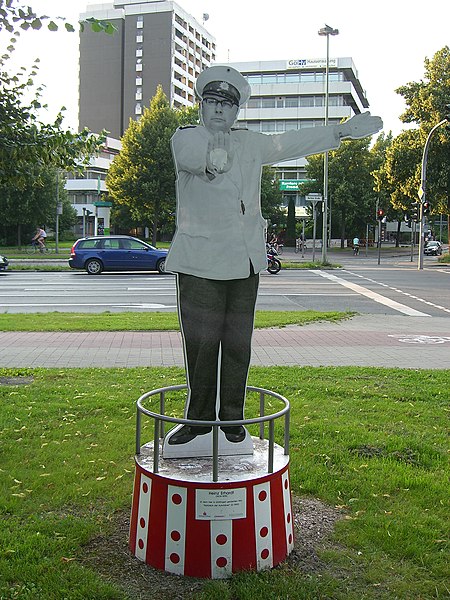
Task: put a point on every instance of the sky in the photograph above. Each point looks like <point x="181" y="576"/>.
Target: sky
<point x="388" y="41"/>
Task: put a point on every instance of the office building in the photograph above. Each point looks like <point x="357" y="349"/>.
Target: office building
<point x="156" y="43"/>
<point x="88" y="194"/>
<point x="290" y="94"/>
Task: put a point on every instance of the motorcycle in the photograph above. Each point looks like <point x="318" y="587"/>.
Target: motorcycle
<point x="273" y="264"/>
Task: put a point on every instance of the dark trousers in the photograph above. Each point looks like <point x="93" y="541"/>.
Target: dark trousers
<point x="217" y="316"/>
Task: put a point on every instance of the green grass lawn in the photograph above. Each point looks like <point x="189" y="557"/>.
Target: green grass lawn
<point x="145" y="321"/>
<point x="371" y="442"/>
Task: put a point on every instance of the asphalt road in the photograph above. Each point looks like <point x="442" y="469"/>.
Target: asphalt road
<point x="394" y="287"/>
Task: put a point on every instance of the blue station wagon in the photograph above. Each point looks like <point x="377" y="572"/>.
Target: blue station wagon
<point x="116" y="253"/>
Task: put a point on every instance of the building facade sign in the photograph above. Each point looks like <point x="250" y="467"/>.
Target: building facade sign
<point x="310" y="63"/>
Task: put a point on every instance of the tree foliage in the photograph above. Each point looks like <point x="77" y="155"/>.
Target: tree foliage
<point x="28" y="146"/>
<point x="23" y="209"/>
<point x="425" y="107"/>
<point x="142" y="175"/>
<point x="14" y="15"/>
<point x="31" y="151"/>
<point x="352" y="199"/>
<point x="271" y="196"/>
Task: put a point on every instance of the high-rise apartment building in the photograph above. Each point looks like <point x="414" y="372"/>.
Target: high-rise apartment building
<point x="156" y="43"/>
<point x="290" y="94"/>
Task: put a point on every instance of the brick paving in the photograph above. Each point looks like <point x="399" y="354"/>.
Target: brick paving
<point x="379" y="341"/>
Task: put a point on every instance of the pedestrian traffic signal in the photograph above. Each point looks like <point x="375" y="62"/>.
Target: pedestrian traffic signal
<point x="380" y="214"/>
<point x="425" y="208"/>
<point x="415" y="211"/>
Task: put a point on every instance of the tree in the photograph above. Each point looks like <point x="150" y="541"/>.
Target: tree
<point x="350" y="183"/>
<point x="271" y="196"/>
<point x="397" y="179"/>
<point x="142" y="175"/>
<point x="37" y="204"/>
<point x="30" y="149"/>
<point x="425" y="102"/>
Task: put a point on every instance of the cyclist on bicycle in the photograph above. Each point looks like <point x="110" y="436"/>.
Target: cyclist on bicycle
<point x="39" y="238"/>
<point x="355" y="245"/>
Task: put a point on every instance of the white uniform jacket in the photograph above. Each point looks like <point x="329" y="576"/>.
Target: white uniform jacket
<point x="220" y="228"/>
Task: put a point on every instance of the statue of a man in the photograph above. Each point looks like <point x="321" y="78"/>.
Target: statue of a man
<point x="219" y="248"/>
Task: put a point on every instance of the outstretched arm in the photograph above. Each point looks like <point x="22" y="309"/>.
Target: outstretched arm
<point x="359" y="126"/>
<point x="314" y="140"/>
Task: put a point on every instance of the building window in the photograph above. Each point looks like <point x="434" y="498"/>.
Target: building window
<point x="292" y="78"/>
<point x="140" y="24"/>
<point x="138" y="66"/>
<point x="268" y="103"/>
<point x="291" y="102"/>
<point x="254" y="103"/>
<point x="138" y="109"/>
<point x="306" y="101"/>
<point x="268" y="126"/>
<point x="179" y="91"/>
<point x="138" y="81"/>
<point x="139" y="52"/>
<point x="138" y="94"/>
<point x="254" y="79"/>
<point x="139" y="38"/>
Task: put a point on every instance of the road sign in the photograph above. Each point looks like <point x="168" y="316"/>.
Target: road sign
<point x="313" y="198"/>
<point x="420" y="193"/>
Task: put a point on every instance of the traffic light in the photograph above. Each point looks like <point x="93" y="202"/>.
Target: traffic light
<point x="425" y="208"/>
<point x="380" y="214"/>
<point x="415" y="211"/>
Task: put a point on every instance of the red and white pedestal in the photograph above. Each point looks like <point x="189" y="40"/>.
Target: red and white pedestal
<point x="183" y="523"/>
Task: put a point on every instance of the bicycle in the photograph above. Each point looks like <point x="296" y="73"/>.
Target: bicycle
<point x="36" y="248"/>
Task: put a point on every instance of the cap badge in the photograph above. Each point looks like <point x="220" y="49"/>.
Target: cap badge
<point x="224" y="86"/>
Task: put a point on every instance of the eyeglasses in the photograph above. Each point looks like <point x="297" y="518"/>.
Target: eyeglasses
<point x="214" y="102"/>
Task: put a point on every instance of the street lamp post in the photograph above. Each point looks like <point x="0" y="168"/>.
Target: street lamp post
<point x="422" y="189"/>
<point x="326" y="31"/>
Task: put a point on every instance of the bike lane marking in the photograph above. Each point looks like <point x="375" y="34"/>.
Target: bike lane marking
<point x="411" y="338"/>
<point x="400" y="291"/>
<point x="406" y="310"/>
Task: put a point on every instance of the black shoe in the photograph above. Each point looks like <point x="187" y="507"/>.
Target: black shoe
<point x="234" y="434"/>
<point x="187" y="434"/>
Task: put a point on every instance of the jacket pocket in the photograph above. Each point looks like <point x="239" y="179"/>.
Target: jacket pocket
<point x="193" y="252"/>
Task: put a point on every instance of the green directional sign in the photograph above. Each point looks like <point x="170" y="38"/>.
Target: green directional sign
<point x="291" y="185"/>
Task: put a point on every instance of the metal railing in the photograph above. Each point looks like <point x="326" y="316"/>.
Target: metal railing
<point x="161" y="418"/>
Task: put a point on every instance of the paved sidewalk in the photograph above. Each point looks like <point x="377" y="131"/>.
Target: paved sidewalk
<point x="379" y="341"/>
